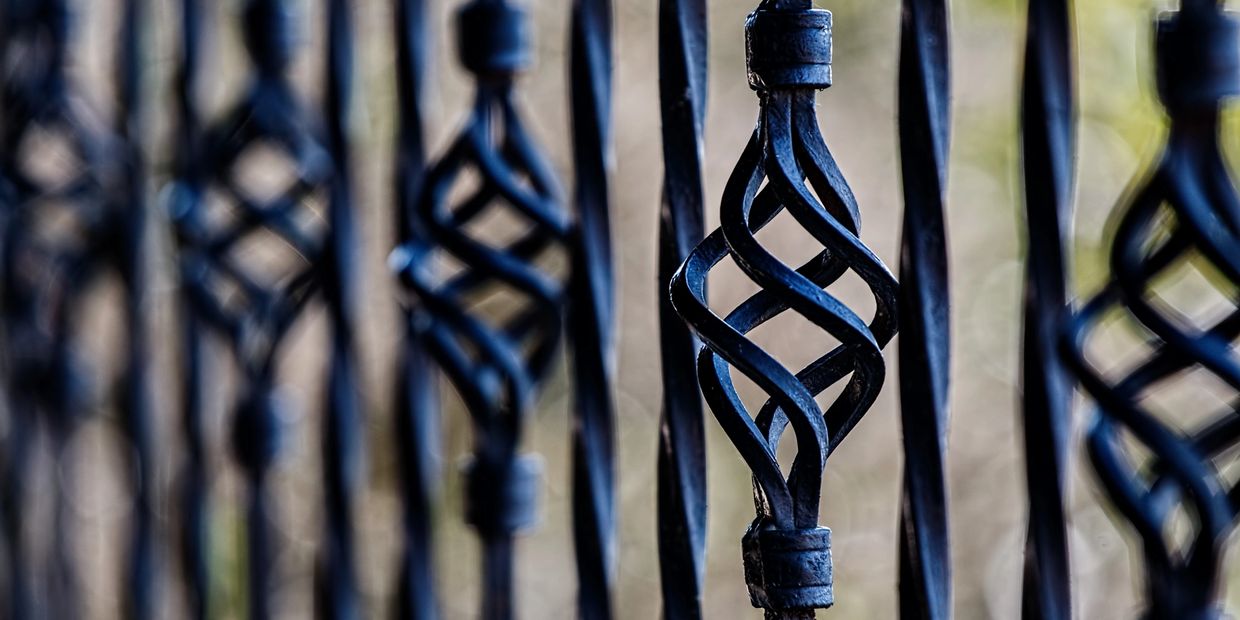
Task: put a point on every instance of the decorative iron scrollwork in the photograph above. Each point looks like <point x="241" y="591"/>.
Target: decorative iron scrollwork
<point x="682" y="441"/>
<point x="925" y="365"/>
<point x="69" y="218"/>
<point x="216" y="213"/>
<point x="1186" y="213"/>
<point x="496" y="363"/>
<point x="787" y="556"/>
<point x="1047" y="141"/>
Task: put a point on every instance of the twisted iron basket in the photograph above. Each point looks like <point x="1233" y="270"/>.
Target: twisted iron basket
<point x="1186" y="212"/>
<point x="496" y="364"/>
<point x="787" y="556"/>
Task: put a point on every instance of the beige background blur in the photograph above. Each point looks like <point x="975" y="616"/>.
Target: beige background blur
<point x="1120" y="129"/>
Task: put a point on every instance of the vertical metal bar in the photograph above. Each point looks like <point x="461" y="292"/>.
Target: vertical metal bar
<point x="1048" y="108"/>
<point x="145" y="573"/>
<point x="343" y="431"/>
<point x="189" y="172"/>
<point x="787" y="555"/>
<point x="417" y="400"/>
<point x="925" y="342"/>
<point x="591" y="314"/>
<point x="682" y="442"/>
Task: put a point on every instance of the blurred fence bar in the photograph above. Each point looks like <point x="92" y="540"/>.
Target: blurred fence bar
<point x="1048" y="149"/>
<point x="417" y="402"/>
<point x="496" y="269"/>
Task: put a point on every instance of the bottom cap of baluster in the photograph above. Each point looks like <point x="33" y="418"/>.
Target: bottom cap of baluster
<point x="788" y="569"/>
<point x="501" y="498"/>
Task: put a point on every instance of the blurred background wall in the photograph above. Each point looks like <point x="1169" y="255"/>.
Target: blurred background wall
<point x="1120" y="129"/>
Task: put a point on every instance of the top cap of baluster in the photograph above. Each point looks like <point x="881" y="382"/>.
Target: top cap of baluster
<point x="493" y="38"/>
<point x="1198" y="57"/>
<point x="788" y="49"/>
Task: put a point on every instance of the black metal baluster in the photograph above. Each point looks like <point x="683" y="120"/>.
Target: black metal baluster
<point x="682" y="443"/>
<point x="591" y="311"/>
<point x="1048" y="145"/>
<point x="497" y="364"/>
<point x="235" y="298"/>
<point x="137" y="408"/>
<point x="342" y="434"/>
<point x="925" y="552"/>
<point x="787" y="556"/>
<point x="97" y="204"/>
<point x="1187" y="211"/>
<point x="192" y="171"/>
<point x="417" y="402"/>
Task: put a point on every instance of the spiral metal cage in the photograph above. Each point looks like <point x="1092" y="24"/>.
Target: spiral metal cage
<point x="787" y="555"/>
<point x="1170" y="485"/>
<point x="216" y="211"/>
<point x="496" y="271"/>
<point x="66" y="227"/>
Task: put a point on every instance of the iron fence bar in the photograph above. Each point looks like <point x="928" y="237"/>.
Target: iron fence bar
<point x="1188" y="209"/>
<point x="1048" y="148"/>
<point x="925" y="322"/>
<point x="496" y="364"/>
<point x="189" y="170"/>
<point x="137" y="407"/>
<point x="591" y="306"/>
<point x="213" y="213"/>
<point x="787" y="555"/>
<point x="343" y="441"/>
<point x="682" y="442"/>
<point x="50" y="387"/>
<point x="417" y="399"/>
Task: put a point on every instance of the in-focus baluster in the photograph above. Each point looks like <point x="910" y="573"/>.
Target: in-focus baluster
<point x="682" y="441"/>
<point x="787" y="555"/>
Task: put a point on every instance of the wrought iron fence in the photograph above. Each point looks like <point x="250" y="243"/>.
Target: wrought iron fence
<point x="498" y="269"/>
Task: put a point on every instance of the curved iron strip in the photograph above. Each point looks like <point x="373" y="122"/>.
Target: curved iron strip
<point x="417" y="399"/>
<point x="1188" y="208"/>
<point x="1048" y="143"/>
<point x="925" y="365"/>
<point x="787" y="556"/>
<point x="682" y="442"/>
<point x="590" y="311"/>
<point x="496" y="367"/>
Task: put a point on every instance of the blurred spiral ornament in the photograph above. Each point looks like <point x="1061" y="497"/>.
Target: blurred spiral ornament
<point x="219" y="212"/>
<point x="496" y="363"/>
<point x="73" y="212"/>
<point x="1186" y="213"/>
<point x="787" y="555"/>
